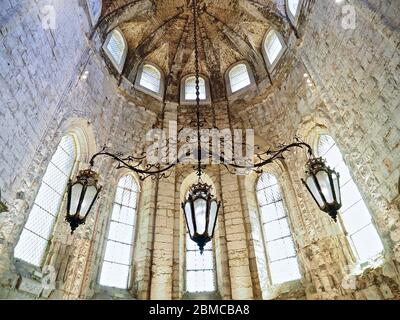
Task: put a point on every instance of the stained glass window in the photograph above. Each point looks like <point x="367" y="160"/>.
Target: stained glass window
<point x="117" y="262"/>
<point x="282" y="256"/>
<point x="36" y="234"/>
<point x="355" y="215"/>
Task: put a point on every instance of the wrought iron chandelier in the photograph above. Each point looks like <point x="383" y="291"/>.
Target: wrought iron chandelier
<point x="201" y="207"/>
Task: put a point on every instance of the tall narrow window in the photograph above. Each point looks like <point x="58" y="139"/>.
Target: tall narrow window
<point x="116" y="48"/>
<point x="200" y="270"/>
<point x="356" y="218"/>
<point x="117" y="261"/>
<point x="282" y="257"/>
<point x="273" y="47"/>
<point x="95" y="9"/>
<point x="190" y="88"/>
<point x="150" y="78"/>
<point x="36" y="234"/>
<point x="239" y="77"/>
<point x="293" y="5"/>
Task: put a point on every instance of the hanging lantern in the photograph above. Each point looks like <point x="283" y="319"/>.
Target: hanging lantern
<point x="201" y="210"/>
<point x="82" y="194"/>
<point x="323" y="184"/>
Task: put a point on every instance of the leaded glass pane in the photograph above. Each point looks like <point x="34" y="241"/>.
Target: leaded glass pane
<point x="277" y="234"/>
<point x="200" y="271"/>
<point x="35" y="236"/>
<point x="120" y="239"/>
<point x="151" y="78"/>
<point x="239" y="77"/>
<point x="273" y="46"/>
<point x="355" y="214"/>
<point x="190" y="88"/>
<point x="116" y="46"/>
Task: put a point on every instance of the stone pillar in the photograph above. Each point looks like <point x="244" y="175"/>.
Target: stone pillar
<point x="238" y="255"/>
<point x="163" y="246"/>
<point x="324" y="253"/>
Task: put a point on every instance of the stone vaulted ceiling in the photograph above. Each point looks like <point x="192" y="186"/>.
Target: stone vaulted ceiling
<point x="161" y="32"/>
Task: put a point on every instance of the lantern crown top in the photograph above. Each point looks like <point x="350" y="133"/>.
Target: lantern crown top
<point x="316" y="164"/>
<point x="200" y="189"/>
<point x="90" y="176"/>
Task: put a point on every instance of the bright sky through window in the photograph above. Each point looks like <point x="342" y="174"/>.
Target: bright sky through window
<point x="355" y="215"/>
<point x="200" y="274"/>
<point x="35" y="236"/>
<point x="273" y="46"/>
<point x="116" y="46"/>
<point x="151" y="78"/>
<point x="190" y="88"/>
<point x="293" y="5"/>
<point x="239" y="77"/>
<point x="117" y="260"/>
<point x="281" y="251"/>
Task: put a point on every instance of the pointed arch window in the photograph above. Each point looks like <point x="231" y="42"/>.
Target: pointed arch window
<point x="117" y="261"/>
<point x="239" y="77"/>
<point x="281" y="252"/>
<point x="150" y="78"/>
<point x="273" y="48"/>
<point x="116" y="48"/>
<point x="200" y="269"/>
<point x="355" y="215"/>
<point x="190" y="88"/>
<point x="38" y="229"/>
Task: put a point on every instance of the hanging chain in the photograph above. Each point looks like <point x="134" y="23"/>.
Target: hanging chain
<point x="197" y="67"/>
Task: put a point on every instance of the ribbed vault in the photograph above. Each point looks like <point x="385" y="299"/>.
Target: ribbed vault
<point x="161" y="32"/>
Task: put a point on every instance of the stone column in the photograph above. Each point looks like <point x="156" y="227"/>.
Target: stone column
<point x="163" y="249"/>
<point x="238" y="254"/>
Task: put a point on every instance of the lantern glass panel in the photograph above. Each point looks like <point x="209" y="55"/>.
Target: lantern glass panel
<point x="335" y="179"/>
<point x="75" y="196"/>
<point x="200" y="210"/>
<point x="325" y="185"/>
<point x="213" y="217"/>
<point x="188" y="214"/>
<point x="314" y="190"/>
<point x="90" y="194"/>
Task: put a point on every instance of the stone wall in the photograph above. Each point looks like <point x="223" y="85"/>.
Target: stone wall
<point x="55" y="81"/>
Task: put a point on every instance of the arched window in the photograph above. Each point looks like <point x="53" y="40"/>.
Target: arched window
<point x="281" y="252"/>
<point x="293" y="5"/>
<point x="239" y="77"/>
<point x="94" y="10"/>
<point x="200" y="269"/>
<point x="356" y="218"/>
<point x="117" y="261"/>
<point x="150" y="78"/>
<point x="190" y="88"/>
<point x="36" y="234"/>
<point x="273" y="47"/>
<point x="116" y="48"/>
